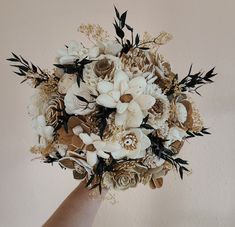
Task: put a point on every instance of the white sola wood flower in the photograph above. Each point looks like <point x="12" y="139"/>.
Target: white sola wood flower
<point x="109" y="47"/>
<point x="44" y="131"/>
<point x="174" y="134"/>
<point x="131" y="144"/>
<point x="94" y="147"/>
<point x="74" y="105"/>
<point x="75" y="51"/>
<point x="127" y="97"/>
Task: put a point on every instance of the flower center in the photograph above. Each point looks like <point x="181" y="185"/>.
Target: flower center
<point x="129" y="141"/>
<point x="90" y="147"/>
<point x="126" y="98"/>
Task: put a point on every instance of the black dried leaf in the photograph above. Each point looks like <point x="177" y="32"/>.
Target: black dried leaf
<point x="204" y="131"/>
<point x="12" y="59"/>
<point x="90" y="180"/>
<point x="82" y="99"/>
<point x="23" y="81"/>
<point x="198" y="134"/>
<point x="201" y="133"/>
<point x="117" y="13"/>
<point x="145" y="120"/>
<point x="50" y="159"/>
<point x="120" y="33"/>
<point x="34" y="68"/>
<point x="24" y="60"/>
<point x="20" y="73"/>
<point x="129" y="28"/>
<point x="102" y="126"/>
<point x="184" y="168"/>
<point x="94" y="186"/>
<point x="146" y="126"/>
<point x="15" y="56"/>
<point x="21" y="67"/>
<point x="192" y="82"/>
<point x="100" y="188"/>
<point x="84" y="61"/>
<point x="123" y="19"/>
<point x="144" y="48"/>
<point x="93" y="96"/>
<point x="157" y="147"/>
<point x="137" y="39"/>
<point x="24" y="67"/>
<point x="78" y="81"/>
<point x="101" y="118"/>
<point x="59" y="66"/>
<point x="181" y="172"/>
<point x="181" y="161"/>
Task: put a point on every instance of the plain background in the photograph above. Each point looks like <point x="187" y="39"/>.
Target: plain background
<point x="204" y="34"/>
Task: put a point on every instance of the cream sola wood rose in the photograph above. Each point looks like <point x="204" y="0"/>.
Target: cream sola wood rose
<point x="114" y="113"/>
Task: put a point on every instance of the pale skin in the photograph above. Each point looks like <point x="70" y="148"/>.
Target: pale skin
<point x="77" y="210"/>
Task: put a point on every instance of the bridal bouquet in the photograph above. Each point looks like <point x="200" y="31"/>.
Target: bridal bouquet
<point x="114" y="113"/>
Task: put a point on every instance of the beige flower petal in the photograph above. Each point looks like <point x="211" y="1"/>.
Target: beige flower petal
<point x="115" y="95"/>
<point x="138" y="84"/>
<point x="104" y="87"/>
<point x="94" y="52"/>
<point x="145" y="101"/>
<point x="112" y="147"/>
<point x="123" y="86"/>
<point x="134" y="107"/>
<point x="77" y="130"/>
<point x="134" y="120"/>
<point x="106" y="100"/>
<point x="86" y="138"/>
<point x="103" y="154"/>
<point x="145" y="142"/>
<point x="121" y="107"/>
<point x="91" y="158"/>
<point x="120" y="118"/>
<point x="99" y="145"/>
<point x="119" y="77"/>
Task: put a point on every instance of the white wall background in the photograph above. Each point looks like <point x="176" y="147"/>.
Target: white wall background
<point x="204" y="34"/>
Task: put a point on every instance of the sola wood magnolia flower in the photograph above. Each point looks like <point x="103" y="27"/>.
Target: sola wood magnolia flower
<point x="114" y="113"/>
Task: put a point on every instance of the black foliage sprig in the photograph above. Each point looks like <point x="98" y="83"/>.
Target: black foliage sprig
<point x="52" y="159"/>
<point x="192" y="134"/>
<point x="25" y="67"/>
<point x="63" y="119"/>
<point x="102" y="116"/>
<point x="127" y="44"/>
<point x="101" y="167"/>
<point x="158" y="148"/>
<point x="75" y="68"/>
<point x="144" y="123"/>
<point x="119" y="25"/>
<point x="192" y="82"/>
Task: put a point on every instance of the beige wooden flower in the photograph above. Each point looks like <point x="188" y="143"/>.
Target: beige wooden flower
<point x="127" y="97"/>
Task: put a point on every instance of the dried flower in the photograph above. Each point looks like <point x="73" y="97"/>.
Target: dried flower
<point x="127" y="96"/>
<point x="83" y="105"/>
<point x="104" y="68"/>
<point x="93" y="32"/>
<point x="54" y="111"/>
